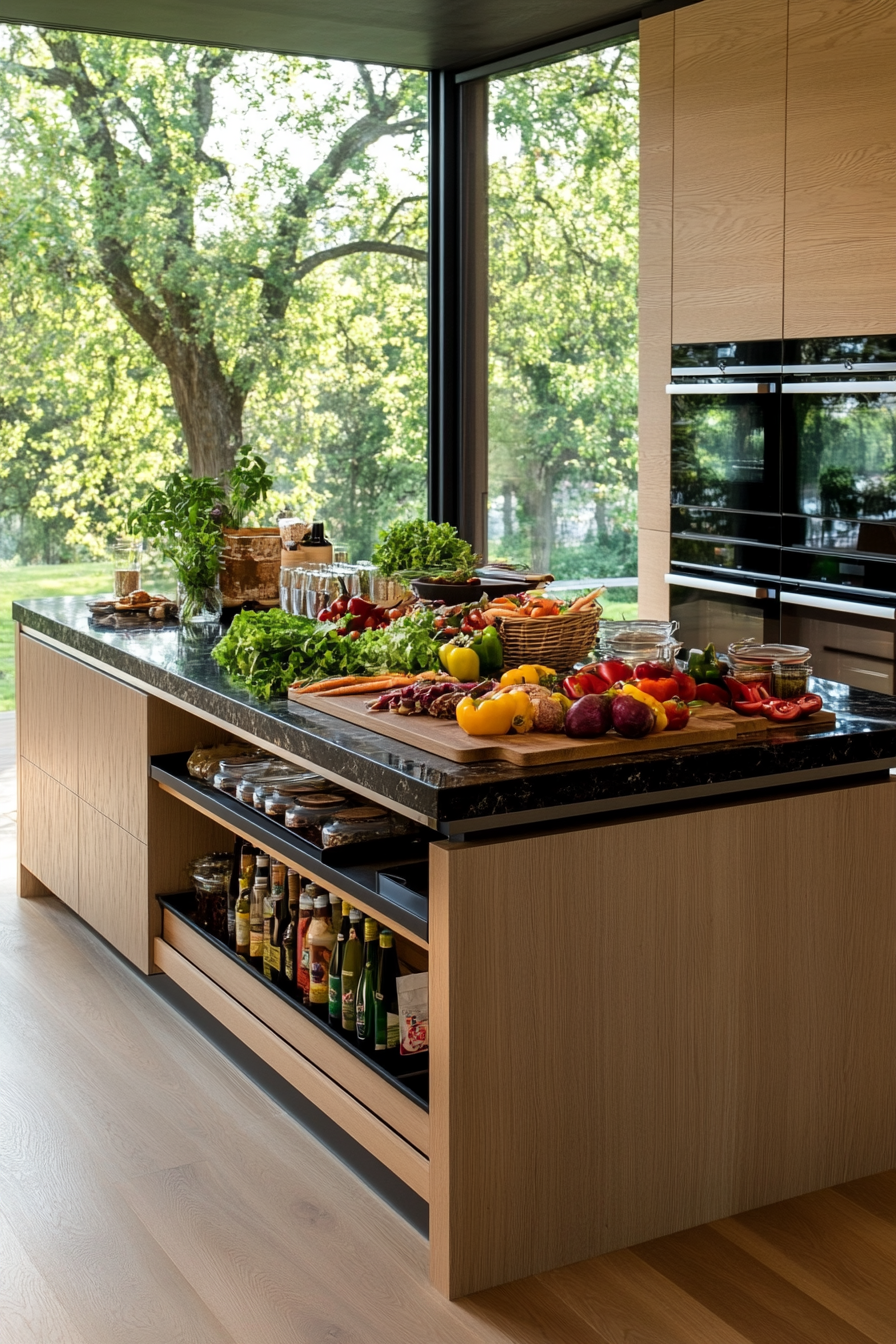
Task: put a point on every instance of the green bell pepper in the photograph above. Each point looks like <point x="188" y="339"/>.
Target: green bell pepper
<point x="490" y="649"/>
<point x="703" y="665"/>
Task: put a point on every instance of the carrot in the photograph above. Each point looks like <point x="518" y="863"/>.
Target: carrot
<point x="384" y="684"/>
<point x="587" y="601"/>
<point x="315" y="686"/>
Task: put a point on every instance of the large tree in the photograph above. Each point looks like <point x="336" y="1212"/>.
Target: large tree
<point x="201" y="259"/>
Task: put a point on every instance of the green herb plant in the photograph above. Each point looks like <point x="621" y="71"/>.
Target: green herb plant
<point x="248" y="482"/>
<point x="419" y="547"/>
<point x="183" y="517"/>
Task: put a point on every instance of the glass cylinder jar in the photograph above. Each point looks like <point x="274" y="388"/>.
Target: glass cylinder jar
<point x="752" y="672"/>
<point x="790" y="680"/>
<point x="199" y="605"/>
<point x="127" y="554"/>
<point x="308" y="816"/>
<point x="285" y="794"/>
<point x="356" y="824"/>
<point x="232" y="770"/>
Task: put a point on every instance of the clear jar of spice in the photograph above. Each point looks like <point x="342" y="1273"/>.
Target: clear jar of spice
<point x="790" y="680"/>
<point x="231" y="771"/>
<point x="265" y="787"/>
<point x="271" y="774"/>
<point x="309" y="815"/>
<point x="356" y="824"/>
<point x="284" y="795"/>
<point x="752" y="662"/>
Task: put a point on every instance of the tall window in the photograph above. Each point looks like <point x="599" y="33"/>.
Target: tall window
<point x="198" y="248"/>
<point x="563" y="255"/>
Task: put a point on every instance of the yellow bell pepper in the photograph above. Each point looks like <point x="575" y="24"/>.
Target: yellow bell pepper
<point x="460" y="662"/>
<point x="661" y="719"/>
<point x="486" y="718"/>
<point x="523" y="712"/>
<point x="530" y="674"/>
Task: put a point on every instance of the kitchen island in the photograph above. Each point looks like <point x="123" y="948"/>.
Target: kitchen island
<point x="661" y="987"/>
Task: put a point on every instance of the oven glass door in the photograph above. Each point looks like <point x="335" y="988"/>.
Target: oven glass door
<point x="725" y="446"/>
<point x="839" y="455"/>
<point x="714" y="610"/>
<point x="852" y="642"/>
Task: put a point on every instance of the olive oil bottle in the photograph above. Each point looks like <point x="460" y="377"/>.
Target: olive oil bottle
<point x="290" y="934"/>
<point x="241" y="919"/>
<point x="350" y="972"/>
<point x="386" y="998"/>
<point x="274" y="926"/>
<point x="321" y="941"/>
<point x="260" y="892"/>
<point x="335" y="985"/>
<point x="365" y="999"/>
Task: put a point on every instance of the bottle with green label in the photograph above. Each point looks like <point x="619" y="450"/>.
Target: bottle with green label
<point x="241" y="919"/>
<point x="386" y="998"/>
<point x="365" y="999"/>
<point x="336" y="966"/>
<point x="290" y="935"/>
<point x="350" y="972"/>
<point x="321" y="941"/>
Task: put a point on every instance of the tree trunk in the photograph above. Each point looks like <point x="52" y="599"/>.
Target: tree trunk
<point x="543" y="518"/>
<point x="209" y="405"/>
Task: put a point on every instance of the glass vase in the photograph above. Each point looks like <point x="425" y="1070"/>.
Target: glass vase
<point x="199" y="605"/>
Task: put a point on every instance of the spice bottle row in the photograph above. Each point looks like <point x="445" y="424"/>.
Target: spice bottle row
<point x="319" y="949"/>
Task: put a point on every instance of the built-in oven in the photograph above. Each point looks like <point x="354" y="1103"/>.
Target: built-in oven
<point x="711" y="607"/>
<point x="852" y="634"/>
<point x="726" y="426"/>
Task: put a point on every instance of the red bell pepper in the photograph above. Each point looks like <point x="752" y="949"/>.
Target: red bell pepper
<point x="584" y="683"/>
<point x="677" y="712"/>
<point x="809" y="704"/>
<point x="661" y="688"/>
<point x="712" y="693"/>
<point x="781" y="711"/>
<point x="687" y="686"/>
<point x="652" y="671"/>
<point x="614" y="670"/>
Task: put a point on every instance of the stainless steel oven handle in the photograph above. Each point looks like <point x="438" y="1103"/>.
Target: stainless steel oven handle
<point x="715" y="586"/>
<point x="877" y="385"/>
<point x="836" y="604"/>
<point x="718" y="389"/>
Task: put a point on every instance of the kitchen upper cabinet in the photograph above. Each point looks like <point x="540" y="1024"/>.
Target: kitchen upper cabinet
<point x="729" y="166"/>
<point x="840" y="232"/>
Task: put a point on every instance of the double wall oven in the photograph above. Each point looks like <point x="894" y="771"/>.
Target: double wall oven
<point x="784" y="499"/>
<point x="726" y="509"/>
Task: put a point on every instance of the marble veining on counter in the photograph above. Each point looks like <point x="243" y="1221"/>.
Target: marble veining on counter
<point x="178" y="662"/>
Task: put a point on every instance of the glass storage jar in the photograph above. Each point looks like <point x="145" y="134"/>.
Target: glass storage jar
<point x="356" y="824"/>
<point x="752" y="662"/>
<point x="231" y="771"/>
<point x="790" y="680"/>
<point x="281" y="798"/>
<point x="308" y="815"/>
<point x="274" y="772"/>
<point x="210" y="877"/>
<point x="265" y="787"/>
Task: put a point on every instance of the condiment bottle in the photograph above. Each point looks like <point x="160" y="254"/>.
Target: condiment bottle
<point x="321" y="940"/>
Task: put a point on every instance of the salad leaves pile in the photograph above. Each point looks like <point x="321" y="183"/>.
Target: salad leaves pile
<point x="268" y="650"/>
<point x="423" y="548"/>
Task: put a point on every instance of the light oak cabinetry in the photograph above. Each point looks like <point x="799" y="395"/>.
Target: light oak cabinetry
<point x="840" y="233"/>
<point x="93" y="830"/>
<point x="728" y="196"/>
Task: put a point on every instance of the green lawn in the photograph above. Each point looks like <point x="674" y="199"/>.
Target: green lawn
<point x="39" y="581"/>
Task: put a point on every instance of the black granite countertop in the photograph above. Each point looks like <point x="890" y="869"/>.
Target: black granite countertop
<point x="467" y="798"/>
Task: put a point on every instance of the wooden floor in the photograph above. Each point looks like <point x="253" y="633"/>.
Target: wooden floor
<point x="150" y="1192"/>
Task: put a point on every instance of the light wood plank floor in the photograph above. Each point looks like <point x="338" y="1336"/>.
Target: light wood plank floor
<point x="150" y="1192"/>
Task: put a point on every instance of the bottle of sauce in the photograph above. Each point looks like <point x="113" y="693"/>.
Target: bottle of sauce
<point x="365" y="999"/>
<point x="241" y="919"/>
<point x="386" y="998"/>
<point x="335" y="986"/>
<point x="321" y="941"/>
<point x="291" y="934"/>
<point x="350" y="973"/>
<point x="274" y="926"/>
<point x="306" y="911"/>
<point x="260" y="894"/>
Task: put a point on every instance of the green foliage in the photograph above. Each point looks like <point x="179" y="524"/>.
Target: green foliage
<point x="423" y="548"/>
<point x="183" y="517"/>
<point x="248" y="483"/>
<point x="267" y="651"/>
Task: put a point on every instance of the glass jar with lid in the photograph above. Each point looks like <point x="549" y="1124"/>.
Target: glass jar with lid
<point x="790" y="680"/>
<point x="273" y="771"/>
<point x="210" y="877"/>
<point x="753" y="663"/>
<point x="353" y="825"/>
<point x="308" y="815"/>
<point x="232" y="770"/>
<point x="283" y="795"/>
<point x="265" y="787"/>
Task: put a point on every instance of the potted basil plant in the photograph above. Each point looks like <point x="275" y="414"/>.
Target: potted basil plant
<point x="183" y="517"/>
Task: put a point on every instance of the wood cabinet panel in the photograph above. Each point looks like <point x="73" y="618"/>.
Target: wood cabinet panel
<point x="113" y="774"/>
<point x="840" y="233"/>
<point x="728" y="248"/>
<point x="653" y="566"/>
<point x="48" y="709"/>
<point x="655" y="270"/>
<point x="48" y="832"/>
<point x="114" y="894"/>
<point x="707" y="1025"/>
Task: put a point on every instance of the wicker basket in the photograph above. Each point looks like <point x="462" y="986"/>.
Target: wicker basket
<point x="553" y="641"/>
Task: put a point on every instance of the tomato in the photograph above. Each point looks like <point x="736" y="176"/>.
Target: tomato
<point x="809" y="703"/>
<point x="711" y="693"/>
<point x="687" y="686"/>
<point x="615" y="670"/>
<point x="652" y="671"/>
<point x="661" y="688"/>
<point x="677" y="712"/>
<point x="781" y="711"/>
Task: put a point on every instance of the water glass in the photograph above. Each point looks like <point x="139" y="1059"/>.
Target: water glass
<point x="340" y="554"/>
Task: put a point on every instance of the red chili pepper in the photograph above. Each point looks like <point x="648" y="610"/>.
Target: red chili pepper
<point x="712" y="693"/>
<point x="809" y="703"/>
<point x="781" y="711"/>
<point x="677" y="712"/>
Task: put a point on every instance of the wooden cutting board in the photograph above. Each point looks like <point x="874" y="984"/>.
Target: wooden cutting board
<point x="756" y="725"/>
<point x="444" y="738"/>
